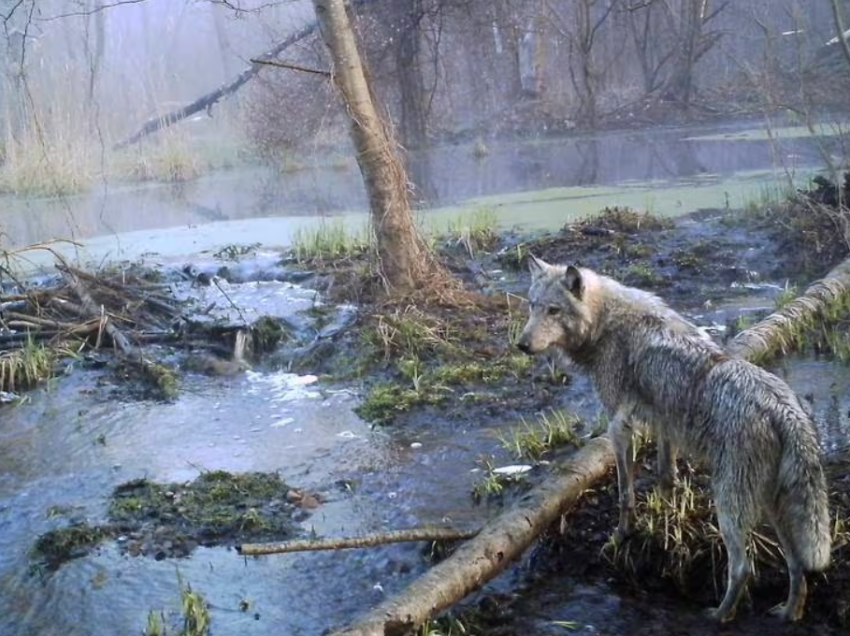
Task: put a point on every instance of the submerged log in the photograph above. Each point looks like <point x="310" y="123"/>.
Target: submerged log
<point x="506" y="537"/>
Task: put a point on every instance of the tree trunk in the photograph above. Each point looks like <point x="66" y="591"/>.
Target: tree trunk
<point x="405" y="263"/>
<point x="413" y="96"/>
<point x="505" y="538"/>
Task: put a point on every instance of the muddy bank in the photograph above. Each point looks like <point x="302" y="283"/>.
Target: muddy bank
<point x="722" y="268"/>
<point x="661" y="578"/>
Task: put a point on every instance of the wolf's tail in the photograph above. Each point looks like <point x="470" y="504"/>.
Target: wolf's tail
<point x="802" y="505"/>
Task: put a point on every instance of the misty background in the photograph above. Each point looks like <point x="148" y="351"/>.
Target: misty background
<point x="81" y="76"/>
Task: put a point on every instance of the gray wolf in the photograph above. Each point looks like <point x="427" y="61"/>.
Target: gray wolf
<point x="650" y="366"/>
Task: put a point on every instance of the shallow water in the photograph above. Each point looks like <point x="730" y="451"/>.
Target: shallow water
<point x="71" y="442"/>
<point x="536" y="183"/>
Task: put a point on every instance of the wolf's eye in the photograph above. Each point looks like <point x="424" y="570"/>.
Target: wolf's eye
<point x="553" y="311"/>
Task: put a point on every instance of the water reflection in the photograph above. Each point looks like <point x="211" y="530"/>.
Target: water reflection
<point x="441" y="175"/>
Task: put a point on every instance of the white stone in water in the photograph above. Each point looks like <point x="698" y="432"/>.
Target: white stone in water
<point x="517" y="469"/>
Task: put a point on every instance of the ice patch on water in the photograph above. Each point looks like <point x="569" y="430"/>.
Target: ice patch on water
<point x="281" y="386"/>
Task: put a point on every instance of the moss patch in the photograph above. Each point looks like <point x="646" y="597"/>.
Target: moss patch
<point x="58" y="546"/>
<point x="170" y="520"/>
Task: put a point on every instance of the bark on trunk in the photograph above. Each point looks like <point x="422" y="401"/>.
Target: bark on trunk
<point x="404" y="261"/>
<point x="506" y="537"/>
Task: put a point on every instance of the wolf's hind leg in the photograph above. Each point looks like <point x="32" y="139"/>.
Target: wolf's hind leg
<point x="738" y="569"/>
<point x="793" y="608"/>
<point x="620" y="432"/>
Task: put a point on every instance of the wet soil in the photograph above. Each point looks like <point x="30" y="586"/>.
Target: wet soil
<point x="662" y="581"/>
<point x="706" y="260"/>
<point x="456" y="363"/>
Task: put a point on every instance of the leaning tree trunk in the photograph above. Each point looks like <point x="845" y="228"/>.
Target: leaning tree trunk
<point x="405" y="263"/>
<point x="505" y="538"/>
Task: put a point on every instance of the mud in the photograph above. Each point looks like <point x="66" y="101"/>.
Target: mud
<point x="648" y="580"/>
<point x="701" y="263"/>
<point x="454" y="363"/>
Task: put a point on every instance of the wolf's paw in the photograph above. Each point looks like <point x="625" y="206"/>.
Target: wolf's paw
<point x="715" y="614"/>
<point x="620" y="536"/>
<point x="782" y="611"/>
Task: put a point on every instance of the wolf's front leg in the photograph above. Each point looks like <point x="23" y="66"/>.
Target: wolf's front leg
<point x="666" y="464"/>
<point x="620" y="432"/>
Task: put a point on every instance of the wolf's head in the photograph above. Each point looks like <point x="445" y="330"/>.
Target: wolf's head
<point x="559" y="314"/>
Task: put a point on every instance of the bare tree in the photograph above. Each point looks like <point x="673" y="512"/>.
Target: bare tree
<point x="405" y="263"/>
<point x="580" y="24"/>
<point x="670" y="38"/>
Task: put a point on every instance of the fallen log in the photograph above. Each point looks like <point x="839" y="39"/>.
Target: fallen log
<point x="506" y="537"/>
<point x="365" y="541"/>
<point x="775" y="334"/>
<point x="206" y="102"/>
<point x="496" y="546"/>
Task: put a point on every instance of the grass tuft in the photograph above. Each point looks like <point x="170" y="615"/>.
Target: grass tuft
<point x="328" y="242"/>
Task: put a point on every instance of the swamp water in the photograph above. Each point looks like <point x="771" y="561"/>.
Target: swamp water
<point x="538" y="183"/>
<point x="71" y="442"/>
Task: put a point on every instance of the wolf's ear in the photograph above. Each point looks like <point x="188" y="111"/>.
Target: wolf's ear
<point x="573" y="282"/>
<point x="536" y="266"/>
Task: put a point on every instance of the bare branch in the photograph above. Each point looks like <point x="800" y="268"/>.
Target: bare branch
<point x="293" y="67"/>
<point x="9" y="15"/>
<point x="89" y="12"/>
<point x="366" y="541"/>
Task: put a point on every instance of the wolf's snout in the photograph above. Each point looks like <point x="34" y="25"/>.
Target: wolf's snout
<point x="523" y="346"/>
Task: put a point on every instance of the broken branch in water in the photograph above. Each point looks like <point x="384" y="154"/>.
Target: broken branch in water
<point x="364" y="541"/>
<point x="494" y="548"/>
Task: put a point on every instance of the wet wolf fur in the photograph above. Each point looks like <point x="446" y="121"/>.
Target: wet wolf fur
<point x="650" y="365"/>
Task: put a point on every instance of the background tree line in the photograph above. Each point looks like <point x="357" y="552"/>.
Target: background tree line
<point x="445" y="69"/>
